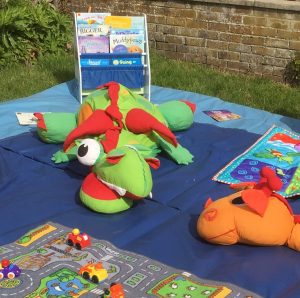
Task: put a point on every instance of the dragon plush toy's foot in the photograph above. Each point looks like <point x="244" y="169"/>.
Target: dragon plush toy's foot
<point x="179" y="114"/>
<point x="55" y="127"/>
<point x="180" y="154"/>
<point x="60" y="156"/>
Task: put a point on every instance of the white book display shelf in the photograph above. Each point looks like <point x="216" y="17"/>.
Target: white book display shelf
<point x="111" y="48"/>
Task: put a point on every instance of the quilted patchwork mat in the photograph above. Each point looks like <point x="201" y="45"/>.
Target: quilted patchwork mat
<point x="278" y="149"/>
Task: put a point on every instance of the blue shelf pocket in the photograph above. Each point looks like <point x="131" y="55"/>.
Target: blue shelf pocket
<point x="129" y="76"/>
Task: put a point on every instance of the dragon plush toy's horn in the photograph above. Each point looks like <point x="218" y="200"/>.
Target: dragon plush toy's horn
<point x="92" y="126"/>
<point x="112" y="110"/>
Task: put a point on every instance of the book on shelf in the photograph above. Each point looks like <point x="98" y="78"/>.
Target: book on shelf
<point x="123" y="22"/>
<point x="93" y="44"/>
<point x="126" y="31"/>
<point x="127" y="43"/>
<point x="91" y="18"/>
<point x="94" y="29"/>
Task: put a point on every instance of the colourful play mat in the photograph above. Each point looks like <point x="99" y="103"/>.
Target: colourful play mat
<point x="278" y="149"/>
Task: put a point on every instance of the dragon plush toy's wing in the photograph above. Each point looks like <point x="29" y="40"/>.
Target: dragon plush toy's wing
<point x="139" y="121"/>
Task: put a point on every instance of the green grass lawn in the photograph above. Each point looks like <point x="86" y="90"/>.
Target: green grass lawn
<point x="20" y="81"/>
<point x="246" y="90"/>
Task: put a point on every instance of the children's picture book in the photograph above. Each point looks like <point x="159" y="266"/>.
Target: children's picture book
<point x="126" y="31"/>
<point x="91" y="18"/>
<point x="222" y="115"/>
<point x="93" y="44"/>
<point x="26" y="118"/>
<point x="123" y="22"/>
<point x="127" y="43"/>
<point x="94" y="29"/>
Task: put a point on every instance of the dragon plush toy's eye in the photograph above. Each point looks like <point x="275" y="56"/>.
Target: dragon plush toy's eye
<point x="88" y="152"/>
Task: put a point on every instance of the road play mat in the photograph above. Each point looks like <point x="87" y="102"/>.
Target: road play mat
<point x="278" y="149"/>
<point x="49" y="268"/>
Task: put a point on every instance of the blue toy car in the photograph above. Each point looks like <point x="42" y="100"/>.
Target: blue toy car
<point x="8" y="270"/>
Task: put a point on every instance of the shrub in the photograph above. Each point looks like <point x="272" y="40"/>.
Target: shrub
<point x="32" y="28"/>
<point x="62" y="5"/>
<point x="292" y="72"/>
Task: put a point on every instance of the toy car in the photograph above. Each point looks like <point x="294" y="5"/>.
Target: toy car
<point x="115" y="291"/>
<point x="94" y="272"/>
<point x="79" y="240"/>
<point x="8" y="270"/>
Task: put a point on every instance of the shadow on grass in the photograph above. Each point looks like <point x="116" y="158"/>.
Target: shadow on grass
<point x="63" y="75"/>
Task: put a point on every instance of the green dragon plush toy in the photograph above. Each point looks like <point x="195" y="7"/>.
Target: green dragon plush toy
<point x="117" y="179"/>
<point x="119" y="133"/>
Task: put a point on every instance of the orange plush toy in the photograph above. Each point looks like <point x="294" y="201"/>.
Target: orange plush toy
<point x="255" y="216"/>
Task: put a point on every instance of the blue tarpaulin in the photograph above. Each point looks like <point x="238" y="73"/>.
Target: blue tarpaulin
<point x="33" y="190"/>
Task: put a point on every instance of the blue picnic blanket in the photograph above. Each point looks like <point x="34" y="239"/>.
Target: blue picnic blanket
<point x="33" y="191"/>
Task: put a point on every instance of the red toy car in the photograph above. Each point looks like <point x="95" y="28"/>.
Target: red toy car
<point x="115" y="291"/>
<point x="79" y="240"/>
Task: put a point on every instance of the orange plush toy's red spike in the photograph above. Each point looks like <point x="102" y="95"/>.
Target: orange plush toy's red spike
<point x="242" y="185"/>
<point x="257" y="198"/>
<point x="269" y="181"/>
<point x="273" y="180"/>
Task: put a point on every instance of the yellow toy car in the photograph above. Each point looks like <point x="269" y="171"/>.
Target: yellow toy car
<point x="94" y="272"/>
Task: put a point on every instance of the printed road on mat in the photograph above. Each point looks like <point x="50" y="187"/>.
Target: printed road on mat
<point x="50" y="268"/>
